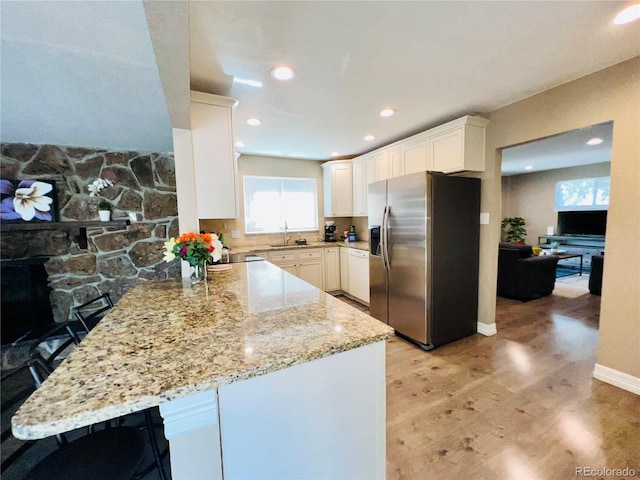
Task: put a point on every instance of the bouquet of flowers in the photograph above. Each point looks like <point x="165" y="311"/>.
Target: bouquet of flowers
<point x="194" y="248"/>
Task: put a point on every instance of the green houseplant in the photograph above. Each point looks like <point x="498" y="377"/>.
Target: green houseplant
<point x="514" y="229"/>
<point x="104" y="210"/>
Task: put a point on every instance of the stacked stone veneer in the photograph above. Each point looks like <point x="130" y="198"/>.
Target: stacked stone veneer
<point x="116" y="258"/>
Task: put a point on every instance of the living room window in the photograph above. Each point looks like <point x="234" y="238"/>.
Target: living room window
<point x="269" y="202"/>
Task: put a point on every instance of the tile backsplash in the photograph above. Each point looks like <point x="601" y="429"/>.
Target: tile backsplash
<point x="226" y="226"/>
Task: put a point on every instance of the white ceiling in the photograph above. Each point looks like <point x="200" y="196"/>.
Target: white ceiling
<point x="80" y="73"/>
<point x="431" y="61"/>
<point x="564" y="150"/>
<point x="84" y="73"/>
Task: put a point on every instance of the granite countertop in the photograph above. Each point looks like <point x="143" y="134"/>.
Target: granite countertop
<point x="166" y="340"/>
<point x="292" y="246"/>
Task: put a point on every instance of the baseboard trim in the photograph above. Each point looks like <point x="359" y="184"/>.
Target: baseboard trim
<point x="487" y="329"/>
<point x="617" y="378"/>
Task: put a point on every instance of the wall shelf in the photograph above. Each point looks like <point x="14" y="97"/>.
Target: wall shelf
<point x="78" y="229"/>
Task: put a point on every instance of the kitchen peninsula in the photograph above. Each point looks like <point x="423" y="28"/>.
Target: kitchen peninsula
<point x="257" y="373"/>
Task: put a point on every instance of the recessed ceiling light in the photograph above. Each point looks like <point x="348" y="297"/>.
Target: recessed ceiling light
<point x="254" y="122"/>
<point x="627" y="15"/>
<point x="387" y="112"/>
<point x="245" y="81"/>
<point x="335" y="154"/>
<point x="282" y="73"/>
<point x="595" y="141"/>
<point x="368" y="138"/>
<point x="529" y="167"/>
<point x="239" y="144"/>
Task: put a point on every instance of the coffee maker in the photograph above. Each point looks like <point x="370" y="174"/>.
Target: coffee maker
<point x="330" y="233"/>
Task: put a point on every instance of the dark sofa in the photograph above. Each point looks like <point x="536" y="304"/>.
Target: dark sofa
<point x="595" y="277"/>
<point x="524" y="276"/>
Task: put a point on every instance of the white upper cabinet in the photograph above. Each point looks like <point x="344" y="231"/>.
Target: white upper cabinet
<point x="397" y="169"/>
<point x="413" y="154"/>
<point x="457" y="146"/>
<point x="364" y="173"/>
<point x="383" y="165"/>
<point x="215" y="167"/>
<point x="359" y="188"/>
<point x="371" y="168"/>
<point x="338" y="188"/>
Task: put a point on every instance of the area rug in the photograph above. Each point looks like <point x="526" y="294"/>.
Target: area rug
<point x="569" y="291"/>
<point x="566" y="271"/>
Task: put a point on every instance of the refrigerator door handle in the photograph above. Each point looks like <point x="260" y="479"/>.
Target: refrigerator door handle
<point x="381" y="244"/>
<point x="385" y="236"/>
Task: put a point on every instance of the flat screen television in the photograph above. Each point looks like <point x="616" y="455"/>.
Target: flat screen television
<point x="587" y="223"/>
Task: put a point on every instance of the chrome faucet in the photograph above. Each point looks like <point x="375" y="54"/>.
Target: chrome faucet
<point x="286" y="238"/>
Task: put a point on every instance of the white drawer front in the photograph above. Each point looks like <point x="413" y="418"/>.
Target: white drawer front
<point x="306" y="254"/>
<point x="279" y="257"/>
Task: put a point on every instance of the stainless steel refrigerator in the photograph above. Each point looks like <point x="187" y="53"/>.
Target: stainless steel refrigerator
<point x="424" y="232"/>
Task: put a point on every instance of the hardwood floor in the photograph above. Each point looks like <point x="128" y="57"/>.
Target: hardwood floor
<point x="519" y="405"/>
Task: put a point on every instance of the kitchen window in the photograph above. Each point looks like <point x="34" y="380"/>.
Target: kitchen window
<point x="270" y="201"/>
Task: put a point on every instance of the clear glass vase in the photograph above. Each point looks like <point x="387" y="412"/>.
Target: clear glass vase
<point x="198" y="273"/>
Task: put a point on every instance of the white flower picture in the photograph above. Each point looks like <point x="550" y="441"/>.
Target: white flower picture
<point x="27" y="200"/>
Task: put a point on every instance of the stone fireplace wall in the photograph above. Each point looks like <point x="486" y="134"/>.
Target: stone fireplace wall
<point x="116" y="258"/>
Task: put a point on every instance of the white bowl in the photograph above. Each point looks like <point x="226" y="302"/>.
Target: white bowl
<point x="329" y="223"/>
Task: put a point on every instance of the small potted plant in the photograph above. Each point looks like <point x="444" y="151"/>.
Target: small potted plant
<point x="104" y="210"/>
<point x="104" y="207"/>
<point x="516" y="231"/>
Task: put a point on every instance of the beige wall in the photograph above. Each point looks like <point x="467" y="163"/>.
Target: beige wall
<point x="273" y="167"/>
<point x="612" y="94"/>
<point x="531" y="196"/>
<point x="280" y="167"/>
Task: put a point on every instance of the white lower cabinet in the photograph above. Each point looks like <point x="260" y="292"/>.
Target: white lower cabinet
<point x="292" y="269"/>
<point x="310" y="267"/>
<point x="331" y="269"/>
<point x="344" y="270"/>
<point x="359" y="274"/>
<point x="324" y="418"/>
<point x="306" y="264"/>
